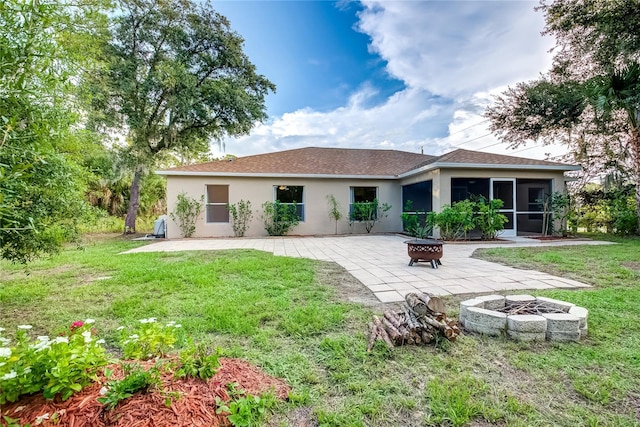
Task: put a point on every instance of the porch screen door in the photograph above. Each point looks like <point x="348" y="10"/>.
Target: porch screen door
<point x="505" y="190"/>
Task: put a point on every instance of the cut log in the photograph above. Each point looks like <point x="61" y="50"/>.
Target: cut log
<point x="393" y="318"/>
<point x="415" y="304"/>
<point x="382" y="333"/>
<point x="434" y="304"/>
<point x="393" y="332"/>
<point x="372" y="336"/>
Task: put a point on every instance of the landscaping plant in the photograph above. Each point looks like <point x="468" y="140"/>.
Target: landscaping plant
<point x="149" y="339"/>
<point x="334" y="210"/>
<point x="279" y="218"/>
<point x="186" y="213"/>
<point x="455" y="221"/>
<point x="368" y="213"/>
<point x="488" y="218"/>
<point x="137" y="379"/>
<point x="58" y="367"/>
<point x="240" y="215"/>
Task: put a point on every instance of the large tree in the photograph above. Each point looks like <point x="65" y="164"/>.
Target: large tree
<point x="175" y="79"/>
<point x="590" y="98"/>
<point x="43" y="46"/>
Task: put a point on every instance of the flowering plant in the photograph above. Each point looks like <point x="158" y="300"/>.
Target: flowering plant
<point x="149" y="339"/>
<point x="62" y="365"/>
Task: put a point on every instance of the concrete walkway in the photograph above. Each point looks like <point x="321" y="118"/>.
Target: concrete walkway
<point x="380" y="262"/>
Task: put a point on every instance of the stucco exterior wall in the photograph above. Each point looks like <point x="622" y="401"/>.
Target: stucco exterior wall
<point x="258" y="190"/>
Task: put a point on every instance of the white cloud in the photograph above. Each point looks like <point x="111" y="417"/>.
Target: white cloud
<point x="452" y="57"/>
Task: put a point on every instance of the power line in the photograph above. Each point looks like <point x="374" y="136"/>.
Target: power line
<point x="468" y="127"/>
<point x="471" y="140"/>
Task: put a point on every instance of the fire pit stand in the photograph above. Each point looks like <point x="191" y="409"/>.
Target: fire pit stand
<point x="428" y="250"/>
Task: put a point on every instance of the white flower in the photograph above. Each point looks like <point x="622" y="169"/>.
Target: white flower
<point x="9" y="376"/>
<point x="151" y="319"/>
<point x="143" y="321"/>
<point x="43" y="338"/>
<point x="119" y="328"/>
<point x="2" y="329"/>
<point x="100" y="341"/>
<point x="4" y="341"/>
<point x="25" y="327"/>
<point x="177" y="325"/>
<point x="59" y="340"/>
<point x="134" y="336"/>
<point x="90" y="321"/>
<point x="41" y="418"/>
<point x="26" y="370"/>
<point x="171" y="323"/>
<point x="104" y="390"/>
<point x="5" y="352"/>
<point x="87" y="336"/>
<point x="2" y="364"/>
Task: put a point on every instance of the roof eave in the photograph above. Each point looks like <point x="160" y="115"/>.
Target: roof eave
<point x="447" y="165"/>
<point x="271" y="175"/>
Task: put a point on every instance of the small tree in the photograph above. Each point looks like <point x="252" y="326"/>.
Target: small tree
<point x="334" y="210"/>
<point x="455" y="221"/>
<point x="241" y="214"/>
<point x="279" y="218"/>
<point x="368" y="213"/>
<point x="186" y="213"/>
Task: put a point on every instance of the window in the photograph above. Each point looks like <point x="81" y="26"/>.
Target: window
<point x="466" y="188"/>
<point x="361" y="195"/>
<point x="217" y="199"/>
<point x="291" y="195"/>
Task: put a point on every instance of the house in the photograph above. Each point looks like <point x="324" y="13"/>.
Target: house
<point x="306" y="177"/>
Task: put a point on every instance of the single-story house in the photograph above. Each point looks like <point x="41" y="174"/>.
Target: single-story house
<point x="307" y="176"/>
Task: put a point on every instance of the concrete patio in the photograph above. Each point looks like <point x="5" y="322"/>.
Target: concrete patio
<point x="380" y="262"/>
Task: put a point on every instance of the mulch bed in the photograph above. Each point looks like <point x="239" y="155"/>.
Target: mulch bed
<point x="196" y="405"/>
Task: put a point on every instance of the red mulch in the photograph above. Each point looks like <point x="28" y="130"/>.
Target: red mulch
<point x="195" y="407"/>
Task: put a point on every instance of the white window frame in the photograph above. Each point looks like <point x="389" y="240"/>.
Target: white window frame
<point x="304" y="195"/>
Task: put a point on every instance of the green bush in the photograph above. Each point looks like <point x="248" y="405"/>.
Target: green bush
<point x="368" y="213"/>
<point x="488" y="218"/>
<point x="279" y="218"/>
<point x="241" y="214"/>
<point x="186" y="213"/>
<point x="455" y="221"/>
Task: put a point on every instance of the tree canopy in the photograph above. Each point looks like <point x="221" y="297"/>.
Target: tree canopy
<point x="590" y="99"/>
<point x="42" y="48"/>
<point x="175" y="78"/>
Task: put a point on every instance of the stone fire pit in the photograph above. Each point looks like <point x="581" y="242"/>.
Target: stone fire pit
<point x="524" y="318"/>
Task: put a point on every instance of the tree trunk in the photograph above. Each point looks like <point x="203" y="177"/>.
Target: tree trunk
<point x="134" y="202"/>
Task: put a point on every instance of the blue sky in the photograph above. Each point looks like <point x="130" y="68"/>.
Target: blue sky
<point x="406" y="75"/>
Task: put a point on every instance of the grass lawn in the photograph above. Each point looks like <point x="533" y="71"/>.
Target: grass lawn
<point x="292" y="318"/>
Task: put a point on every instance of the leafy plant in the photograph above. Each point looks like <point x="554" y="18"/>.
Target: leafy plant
<point x="334" y="210"/>
<point x="279" y="218"/>
<point x="455" y="221"/>
<point x="488" y="217"/>
<point x="368" y="213"/>
<point x="148" y="340"/>
<point x="59" y="366"/>
<point x="409" y="217"/>
<point x="245" y="411"/>
<point x="197" y="362"/>
<point x="186" y="213"/>
<point x="241" y="214"/>
<point x="137" y="379"/>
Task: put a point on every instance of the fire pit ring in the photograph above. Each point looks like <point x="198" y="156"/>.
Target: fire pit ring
<point x="524" y="318"/>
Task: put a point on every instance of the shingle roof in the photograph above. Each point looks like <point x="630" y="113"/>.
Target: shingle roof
<point x="317" y="161"/>
<point x="477" y="157"/>
<point x="354" y="162"/>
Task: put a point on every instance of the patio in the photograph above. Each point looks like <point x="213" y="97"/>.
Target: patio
<point x="380" y="262"/>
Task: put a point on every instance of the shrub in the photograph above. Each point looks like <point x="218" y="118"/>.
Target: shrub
<point x="186" y="213"/>
<point x="455" y="221"/>
<point x="334" y="210"/>
<point x="59" y="366"/>
<point x="489" y="219"/>
<point x="149" y="339"/>
<point x="279" y="218"/>
<point x="241" y="214"/>
<point x="368" y="213"/>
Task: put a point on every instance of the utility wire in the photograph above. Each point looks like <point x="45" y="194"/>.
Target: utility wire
<point x="469" y="127"/>
<point x="471" y="140"/>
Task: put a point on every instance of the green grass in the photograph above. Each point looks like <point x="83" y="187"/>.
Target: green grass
<point x="288" y="317"/>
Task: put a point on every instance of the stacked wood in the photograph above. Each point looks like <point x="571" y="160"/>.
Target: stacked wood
<point x="422" y="320"/>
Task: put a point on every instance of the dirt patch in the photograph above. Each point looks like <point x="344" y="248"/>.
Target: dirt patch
<point x="299" y="417"/>
<point x="195" y="406"/>
<point x="632" y="265"/>
<point x="348" y="287"/>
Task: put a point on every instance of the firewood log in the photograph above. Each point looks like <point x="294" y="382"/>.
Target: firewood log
<point x="372" y="336"/>
<point x="382" y="333"/>
<point x="434" y="304"/>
